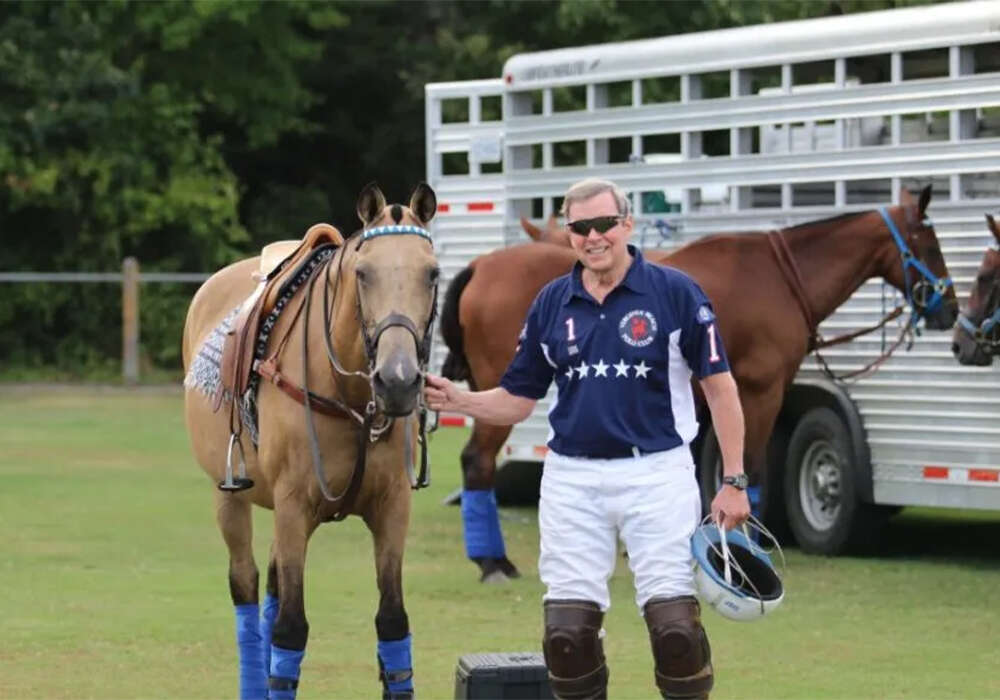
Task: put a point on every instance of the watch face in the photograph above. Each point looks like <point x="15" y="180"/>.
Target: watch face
<point x="740" y="481"/>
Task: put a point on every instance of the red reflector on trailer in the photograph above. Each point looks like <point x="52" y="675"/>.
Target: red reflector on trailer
<point x="453" y="421"/>
<point x="479" y="206"/>
<point x="444" y="208"/>
<point x="935" y="472"/>
<point x="984" y="475"/>
<point x="540" y="450"/>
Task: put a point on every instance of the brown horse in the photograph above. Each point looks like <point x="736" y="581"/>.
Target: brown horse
<point x="767" y="327"/>
<point x="977" y="333"/>
<point x="356" y="343"/>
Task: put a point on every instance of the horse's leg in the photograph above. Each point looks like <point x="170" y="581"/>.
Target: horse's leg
<point x="233" y="515"/>
<point x="388" y="521"/>
<point x="480" y="519"/>
<point x="760" y="411"/>
<point x="292" y="528"/>
<point x="269" y="611"/>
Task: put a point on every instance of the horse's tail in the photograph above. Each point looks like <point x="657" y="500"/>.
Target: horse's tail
<point x="456" y="366"/>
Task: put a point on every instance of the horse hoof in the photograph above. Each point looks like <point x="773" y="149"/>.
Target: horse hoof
<point x="495" y="576"/>
<point x="507" y="566"/>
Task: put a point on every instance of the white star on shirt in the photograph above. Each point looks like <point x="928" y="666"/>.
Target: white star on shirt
<point x="583" y="369"/>
<point x="601" y="369"/>
<point x="621" y="369"/>
<point x="641" y="370"/>
<point x="569" y="373"/>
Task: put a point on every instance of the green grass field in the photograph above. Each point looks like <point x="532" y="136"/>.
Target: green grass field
<point x="114" y="583"/>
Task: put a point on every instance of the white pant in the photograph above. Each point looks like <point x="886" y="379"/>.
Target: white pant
<point x="651" y="501"/>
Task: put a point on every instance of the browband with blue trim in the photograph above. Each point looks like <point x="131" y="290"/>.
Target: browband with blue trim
<point x="396" y="231"/>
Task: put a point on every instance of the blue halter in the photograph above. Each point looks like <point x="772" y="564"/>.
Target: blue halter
<point x="401" y="230"/>
<point x="938" y="284"/>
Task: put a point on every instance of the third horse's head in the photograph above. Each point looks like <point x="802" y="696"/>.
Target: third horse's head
<point x="977" y="334"/>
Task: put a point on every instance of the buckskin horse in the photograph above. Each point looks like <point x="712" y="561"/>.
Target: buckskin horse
<point x="977" y="333"/>
<point x="770" y="291"/>
<point x="346" y="324"/>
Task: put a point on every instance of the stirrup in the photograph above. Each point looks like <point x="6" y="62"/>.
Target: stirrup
<point x="240" y="483"/>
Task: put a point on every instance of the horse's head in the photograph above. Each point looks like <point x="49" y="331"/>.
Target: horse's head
<point x="552" y="233"/>
<point x="977" y="335"/>
<point x="396" y="275"/>
<point x="923" y="276"/>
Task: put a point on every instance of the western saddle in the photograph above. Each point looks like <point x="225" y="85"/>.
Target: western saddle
<point x="278" y="263"/>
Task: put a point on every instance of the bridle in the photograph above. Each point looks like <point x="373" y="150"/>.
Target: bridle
<point x="369" y="428"/>
<point x="924" y="296"/>
<point x="985" y="333"/>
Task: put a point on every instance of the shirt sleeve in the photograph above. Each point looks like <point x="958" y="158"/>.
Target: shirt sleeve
<point x="701" y="343"/>
<point x="529" y="373"/>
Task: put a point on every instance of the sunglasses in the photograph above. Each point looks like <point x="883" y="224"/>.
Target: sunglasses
<point x="601" y="224"/>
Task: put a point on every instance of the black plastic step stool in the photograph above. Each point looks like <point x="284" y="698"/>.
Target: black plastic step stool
<point x="502" y="676"/>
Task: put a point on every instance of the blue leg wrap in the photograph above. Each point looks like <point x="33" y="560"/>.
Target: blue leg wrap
<point x="285" y="665"/>
<point x="397" y="664"/>
<point x="253" y="673"/>
<point x="481" y="521"/>
<point x="268" y="613"/>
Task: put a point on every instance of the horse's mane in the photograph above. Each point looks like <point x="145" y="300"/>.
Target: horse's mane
<point x="828" y="220"/>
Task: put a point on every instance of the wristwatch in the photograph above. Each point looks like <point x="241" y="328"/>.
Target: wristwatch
<point x="739" y="481"/>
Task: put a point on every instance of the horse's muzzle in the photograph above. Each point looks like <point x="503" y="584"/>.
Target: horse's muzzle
<point x="944" y="316"/>
<point x="968" y="352"/>
<point x="397" y="385"/>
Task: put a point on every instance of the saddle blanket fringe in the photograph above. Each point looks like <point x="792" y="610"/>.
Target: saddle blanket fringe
<point x="205" y="374"/>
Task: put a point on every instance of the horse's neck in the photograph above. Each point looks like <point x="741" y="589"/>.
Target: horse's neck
<point x="838" y="257"/>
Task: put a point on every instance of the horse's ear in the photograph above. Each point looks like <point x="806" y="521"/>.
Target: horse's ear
<point x="994" y="229"/>
<point x="423" y="202"/>
<point x="371" y="202"/>
<point x="925" y="199"/>
<point x="552" y="224"/>
<point x="534" y="233"/>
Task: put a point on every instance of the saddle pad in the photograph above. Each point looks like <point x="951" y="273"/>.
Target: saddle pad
<point x="205" y="373"/>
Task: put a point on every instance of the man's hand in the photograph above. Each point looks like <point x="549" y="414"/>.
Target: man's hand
<point x="440" y="393"/>
<point x="730" y="507"/>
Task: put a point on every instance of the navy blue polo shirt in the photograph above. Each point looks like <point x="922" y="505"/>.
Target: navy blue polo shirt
<point x="622" y="368"/>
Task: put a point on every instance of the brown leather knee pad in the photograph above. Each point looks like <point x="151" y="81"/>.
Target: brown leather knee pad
<point x="574" y="653"/>
<point x="680" y="647"/>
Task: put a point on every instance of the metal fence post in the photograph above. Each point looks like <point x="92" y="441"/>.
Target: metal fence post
<point x="130" y="320"/>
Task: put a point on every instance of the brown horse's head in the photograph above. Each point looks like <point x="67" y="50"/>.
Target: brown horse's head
<point x="552" y="233"/>
<point x="923" y="276"/>
<point x="977" y="335"/>
<point x="396" y="275"/>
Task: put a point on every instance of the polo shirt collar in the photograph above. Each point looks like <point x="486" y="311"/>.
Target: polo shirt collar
<point x="635" y="278"/>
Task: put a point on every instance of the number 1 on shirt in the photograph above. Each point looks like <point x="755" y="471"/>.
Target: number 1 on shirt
<point x="570" y="333"/>
<point x="713" y="346"/>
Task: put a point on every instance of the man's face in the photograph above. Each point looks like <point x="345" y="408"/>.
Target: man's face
<point x="600" y="252"/>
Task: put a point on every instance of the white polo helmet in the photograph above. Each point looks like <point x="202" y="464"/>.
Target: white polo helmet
<point x="734" y="574"/>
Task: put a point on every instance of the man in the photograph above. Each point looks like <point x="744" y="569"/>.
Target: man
<point x="621" y="337"/>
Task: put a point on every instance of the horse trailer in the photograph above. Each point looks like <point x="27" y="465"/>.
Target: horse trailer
<point x="757" y="128"/>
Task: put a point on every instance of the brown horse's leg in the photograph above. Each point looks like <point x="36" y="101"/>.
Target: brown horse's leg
<point x="388" y="521"/>
<point x="292" y="528"/>
<point x="233" y="515"/>
<point x="481" y="522"/>
<point x="760" y="411"/>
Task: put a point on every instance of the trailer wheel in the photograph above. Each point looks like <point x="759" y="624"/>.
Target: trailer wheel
<point x="821" y="500"/>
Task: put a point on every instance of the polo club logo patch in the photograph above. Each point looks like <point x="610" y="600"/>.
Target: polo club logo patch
<point x="637" y="328"/>
<point x="705" y="314"/>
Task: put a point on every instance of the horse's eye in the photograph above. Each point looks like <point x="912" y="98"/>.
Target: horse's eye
<point x="434" y="275"/>
<point x="362" y="275"/>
